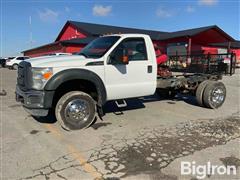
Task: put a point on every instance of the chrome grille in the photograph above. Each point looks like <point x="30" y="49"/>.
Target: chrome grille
<point x="24" y="75"/>
<point x="20" y="78"/>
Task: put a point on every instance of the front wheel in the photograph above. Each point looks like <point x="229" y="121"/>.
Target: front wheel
<point x="75" y="110"/>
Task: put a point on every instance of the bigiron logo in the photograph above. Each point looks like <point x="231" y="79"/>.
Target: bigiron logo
<point x="202" y="171"/>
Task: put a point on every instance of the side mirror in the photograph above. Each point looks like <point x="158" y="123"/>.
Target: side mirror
<point x="119" y="56"/>
<point x="125" y="59"/>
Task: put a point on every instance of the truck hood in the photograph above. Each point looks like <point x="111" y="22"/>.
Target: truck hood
<point x="59" y="61"/>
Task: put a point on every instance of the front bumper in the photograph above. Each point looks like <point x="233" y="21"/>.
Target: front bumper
<point x="37" y="103"/>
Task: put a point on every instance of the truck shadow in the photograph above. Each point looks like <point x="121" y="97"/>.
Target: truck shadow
<point x="49" y="119"/>
<point x="138" y="103"/>
<point x="187" y="99"/>
<point x="111" y="107"/>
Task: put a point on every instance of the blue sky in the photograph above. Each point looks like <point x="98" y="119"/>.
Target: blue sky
<point x="48" y="17"/>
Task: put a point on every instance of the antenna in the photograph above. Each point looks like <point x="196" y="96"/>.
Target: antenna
<point x="30" y="27"/>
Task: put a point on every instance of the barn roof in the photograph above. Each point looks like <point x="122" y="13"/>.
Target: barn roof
<point x="42" y="46"/>
<point x="192" y="32"/>
<point x="91" y="29"/>
<point x="66" y="42"/>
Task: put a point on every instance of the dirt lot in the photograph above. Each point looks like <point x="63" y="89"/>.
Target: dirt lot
<point x="146" y="140"/>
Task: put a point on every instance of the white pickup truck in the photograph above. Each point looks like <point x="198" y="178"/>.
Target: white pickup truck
<point x="112" y="67"/>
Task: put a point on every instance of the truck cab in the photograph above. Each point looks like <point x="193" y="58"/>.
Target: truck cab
<point x="111" y="67"/>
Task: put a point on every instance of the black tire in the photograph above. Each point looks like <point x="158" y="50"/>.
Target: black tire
<point x="214" y="95"/>
<point x="71" y="102"/>
<point x="200" y="90"/>
<point x="15" y="66"/>
<point x="166" y="93"/>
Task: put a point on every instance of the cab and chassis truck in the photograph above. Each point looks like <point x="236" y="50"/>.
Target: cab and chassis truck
<point x="112" y="67"/>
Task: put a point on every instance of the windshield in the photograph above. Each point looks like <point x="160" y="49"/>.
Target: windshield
<point x="98" y="47"/>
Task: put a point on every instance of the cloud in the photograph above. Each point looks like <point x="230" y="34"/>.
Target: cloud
<point x="48" y="15"/>
<point x="99" y="10"/>
<point x="208" y="2"/>
<point x="67" y="9"/>
<point x="190" y="9"/>
<point x="164" y="13"/>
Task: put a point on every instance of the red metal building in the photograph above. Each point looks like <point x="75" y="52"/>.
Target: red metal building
<point x="75" y="35"/>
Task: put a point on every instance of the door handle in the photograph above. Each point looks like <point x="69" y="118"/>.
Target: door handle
<point x="149" y="69"/>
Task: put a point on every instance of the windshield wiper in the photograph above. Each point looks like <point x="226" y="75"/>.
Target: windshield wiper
<point x="83" y="54"/>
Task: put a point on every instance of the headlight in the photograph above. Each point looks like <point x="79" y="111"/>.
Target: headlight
<point x="40" y="76"/>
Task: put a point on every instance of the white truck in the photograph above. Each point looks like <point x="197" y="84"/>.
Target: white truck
<point x="112" y="67"/>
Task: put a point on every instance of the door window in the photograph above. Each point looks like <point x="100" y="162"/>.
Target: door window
<point x="133" y="48"/>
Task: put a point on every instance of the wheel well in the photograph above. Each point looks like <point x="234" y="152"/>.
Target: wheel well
<point x="75" y="85"/>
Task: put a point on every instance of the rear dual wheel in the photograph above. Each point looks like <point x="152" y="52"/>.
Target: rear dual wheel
<point x="75" y="110"/>
<point x="211" y="94"/>
<point x="200" y="90"/>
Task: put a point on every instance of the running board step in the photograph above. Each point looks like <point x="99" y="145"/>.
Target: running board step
<point x="121" y="103"/>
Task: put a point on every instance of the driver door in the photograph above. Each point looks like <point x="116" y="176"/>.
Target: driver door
<point x="133" y="78"/>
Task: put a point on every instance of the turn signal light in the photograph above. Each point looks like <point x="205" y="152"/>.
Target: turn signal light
<point x="47" y="75"/>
